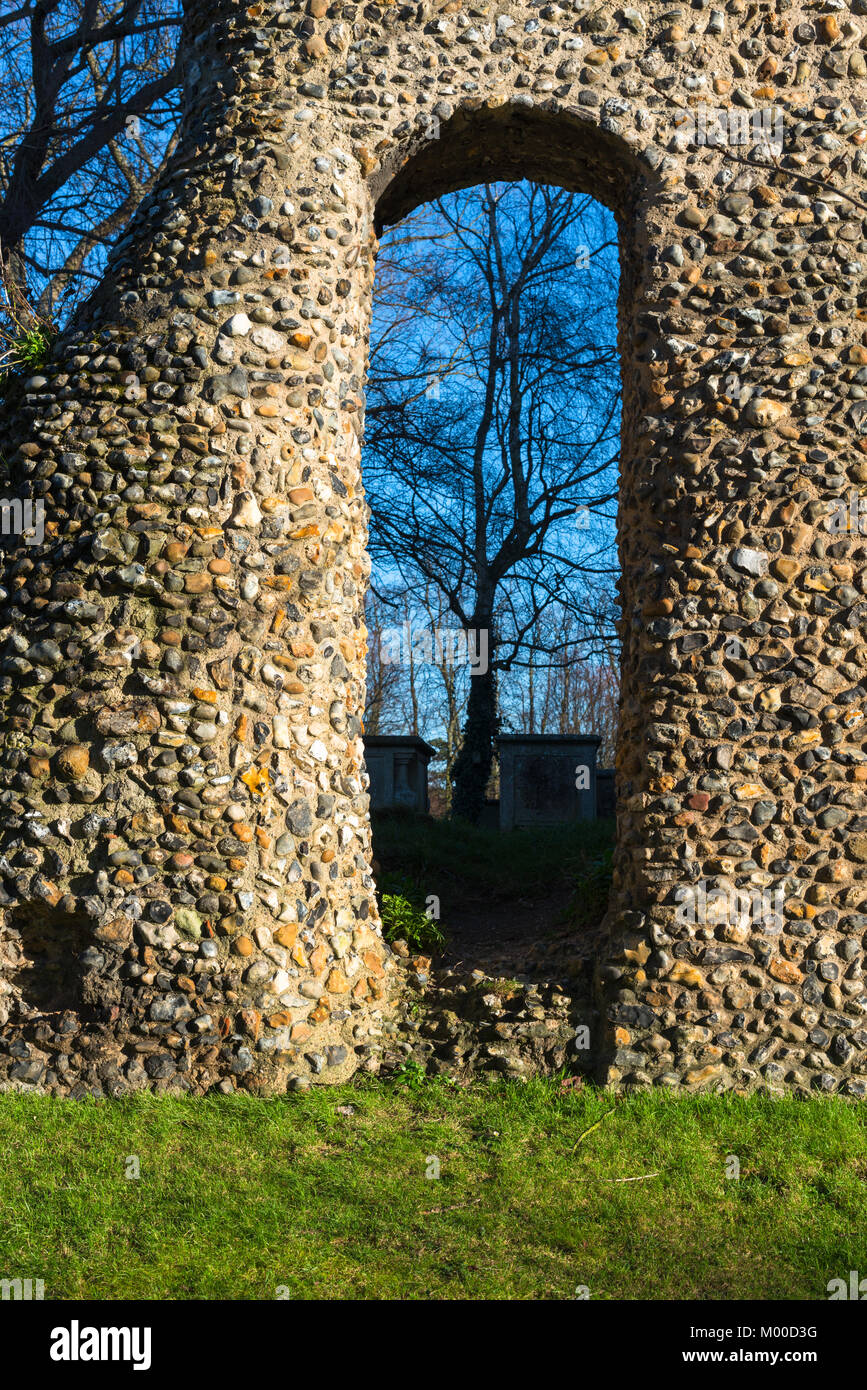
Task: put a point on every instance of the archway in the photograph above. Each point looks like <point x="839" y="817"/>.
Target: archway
<point x="511" y="142"/>
<point x="491" y="471"/>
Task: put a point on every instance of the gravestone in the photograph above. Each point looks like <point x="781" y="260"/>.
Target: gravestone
<point x="606" y="804"/>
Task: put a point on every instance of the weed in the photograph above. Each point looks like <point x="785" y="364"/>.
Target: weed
<point x="410" y="1074"/>
<point x="402" y="920"/>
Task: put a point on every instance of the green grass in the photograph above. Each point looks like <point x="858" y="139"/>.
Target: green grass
<point x="438" y="854"/>
<point x="238" y="1196"/>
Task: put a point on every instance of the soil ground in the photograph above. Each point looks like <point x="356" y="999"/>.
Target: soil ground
<point x="524" y="906"/>
<point x="523" y="939"/>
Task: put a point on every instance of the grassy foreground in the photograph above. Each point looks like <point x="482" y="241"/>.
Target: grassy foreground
<point x="324" y="1195"/>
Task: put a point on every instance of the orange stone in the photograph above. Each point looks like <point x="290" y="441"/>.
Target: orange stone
<point x="72" y="763"/>
<point x="258" y="779"/>
<point x="252" y="1021"/>
<point x="785" y="971"/>
<point x="373" y="963"/>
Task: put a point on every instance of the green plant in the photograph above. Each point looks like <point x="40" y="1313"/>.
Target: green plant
<point x="403" y="920"/>
<point x="503" y="988"/>
<point x="25" y="335"/>
<point x="405" y="917"/>
<point x="28" y="350"/>
<point x="33" y="347"/>
<point x="410" y="1074"/>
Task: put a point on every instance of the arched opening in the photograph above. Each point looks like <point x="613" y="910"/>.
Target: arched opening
<point x="575" y="186"/>
<point x="504" y="143"/>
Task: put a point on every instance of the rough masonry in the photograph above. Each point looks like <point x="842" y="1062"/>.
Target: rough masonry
<point x="187" y="898"/>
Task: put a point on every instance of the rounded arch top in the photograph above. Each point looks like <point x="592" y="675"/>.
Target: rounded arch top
<point x="511" y="141"/>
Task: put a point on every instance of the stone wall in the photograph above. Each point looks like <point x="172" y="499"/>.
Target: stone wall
<point x="185" y="847"/>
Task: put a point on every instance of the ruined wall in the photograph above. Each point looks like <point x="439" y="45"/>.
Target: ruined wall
<point x="185" y="849"/>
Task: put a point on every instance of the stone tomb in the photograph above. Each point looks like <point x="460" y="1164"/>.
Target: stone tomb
<point x="546" y="779"/>
<point x="397" y="767"/>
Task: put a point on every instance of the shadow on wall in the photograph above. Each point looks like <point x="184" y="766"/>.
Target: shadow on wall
<point x="41" y="970"/>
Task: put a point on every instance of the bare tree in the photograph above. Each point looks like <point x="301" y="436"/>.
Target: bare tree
<point x="91" y="102"/>
<point x="415" y="686"/>
<point x="572" y="694"/>
<point x="384" y="677"/>
<point x="493" y="415"/>
<point x="447" y="701"/>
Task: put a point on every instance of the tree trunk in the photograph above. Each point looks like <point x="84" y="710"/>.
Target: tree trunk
<point x="472" y="769"/>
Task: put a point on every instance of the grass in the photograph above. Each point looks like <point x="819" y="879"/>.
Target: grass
<point x="490" y="864"/>
<point x="324" y="1195"/>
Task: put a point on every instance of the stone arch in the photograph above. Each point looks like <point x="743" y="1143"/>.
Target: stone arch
<point x="182" y="655"/>
<point x="511" y="140"/>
